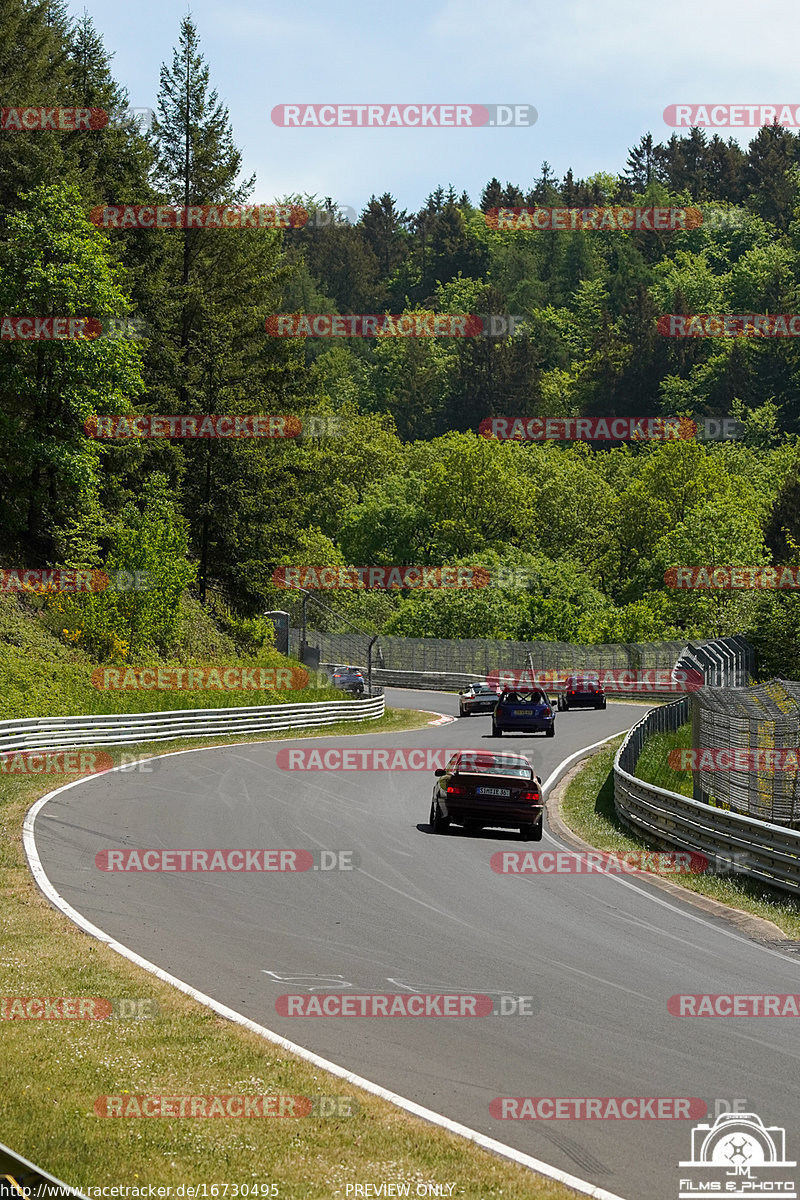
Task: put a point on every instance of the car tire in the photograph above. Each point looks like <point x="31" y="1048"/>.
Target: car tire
<point x="551" y="732"/>
<point x="437" y="822"/>
<point x="603" y="704"/>
<point x="496" y="731"/>
<point x="537" y="830"/>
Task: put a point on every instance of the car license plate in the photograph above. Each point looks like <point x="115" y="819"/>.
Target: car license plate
<point x="487" y="791"/>
<point x="521" y="712"/>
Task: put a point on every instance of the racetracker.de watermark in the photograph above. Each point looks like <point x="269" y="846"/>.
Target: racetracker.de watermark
<point x="49" y="329"/>
<point x="403" y="116"/>
<point x="207" y="1107"/>
<point x="606" y="429"/>
<point x="71" y="580"/>
<point x="374" y="759"/>
<point x="615" y="219"/>
<point x="403" y="1004"/>
<point x="567" y="862"/>
<point x="611" y="679"/>
<point x="235" y="861"/>
<point x="199" y="216"/>
<point x="715" y="1004"/>
<point x="143" y="117"/>
<point x="712" y="578"/>
<point x="597" y="1108"/>
<point x="76" y="1008"/>
<point x="729" y="325"/>
<point x="64" y="329"/>
<point x="728" y="758"/>
<point x="200" y="679"/>
<point x="730" y="116"/>
<point x="54" y="762"/>
<point x="380" y="578"/>
<point x="376" y="325"/>
<point x="227" y="425"/>
<point x="59" y="120"/>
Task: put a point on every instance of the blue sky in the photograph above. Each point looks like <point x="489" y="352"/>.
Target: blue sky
<point x="598" y="73"/>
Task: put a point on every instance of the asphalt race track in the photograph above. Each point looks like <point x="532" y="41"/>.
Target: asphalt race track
<point x="599" y="956"/>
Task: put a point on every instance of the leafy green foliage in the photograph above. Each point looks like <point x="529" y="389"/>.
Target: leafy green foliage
<point x="406" y="479"/>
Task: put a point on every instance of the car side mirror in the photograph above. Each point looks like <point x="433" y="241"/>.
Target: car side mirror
<point x="439" y="771"/>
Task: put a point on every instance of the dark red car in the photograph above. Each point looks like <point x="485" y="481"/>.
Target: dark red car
<point x="479" y="788"/>
<point x="582" y="690"/>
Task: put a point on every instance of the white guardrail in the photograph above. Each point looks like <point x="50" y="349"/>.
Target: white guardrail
<point x="758" y="849"/>
<point x="124" y="729"/>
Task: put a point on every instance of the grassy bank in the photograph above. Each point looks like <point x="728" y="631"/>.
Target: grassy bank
<point x="42" y="675"/>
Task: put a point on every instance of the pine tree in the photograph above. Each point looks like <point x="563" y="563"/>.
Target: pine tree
<point x="492" y="195"/>
<point x="34" y="72"/>
<point x="771" y="175"/>
<point x="641" y="165"/>
<point x="198" y="163"/>
<point x="112" y="165"/>
<point x="385" y="231"/>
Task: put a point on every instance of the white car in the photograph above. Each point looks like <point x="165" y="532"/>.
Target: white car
<point x="478" y="698"/>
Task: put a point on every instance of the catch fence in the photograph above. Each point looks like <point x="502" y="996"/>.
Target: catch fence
<point x="761" y="718"/>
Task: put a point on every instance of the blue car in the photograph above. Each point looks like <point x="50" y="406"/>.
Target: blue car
<point x="523" y="712"/>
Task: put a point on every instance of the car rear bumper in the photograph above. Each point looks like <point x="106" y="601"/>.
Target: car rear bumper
<point x="491" y="813"/>
<point x="525" y="726"/>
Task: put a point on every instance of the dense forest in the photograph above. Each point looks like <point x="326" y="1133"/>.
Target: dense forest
<point x="578" y="535"/>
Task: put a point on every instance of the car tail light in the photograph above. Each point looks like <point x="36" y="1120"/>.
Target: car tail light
<point x="456" y="791"/>
<point x="529" y="796"/>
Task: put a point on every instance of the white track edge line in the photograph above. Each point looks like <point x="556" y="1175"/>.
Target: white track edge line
<point x="427" y="1114"/>
<point x="561" y="769"/>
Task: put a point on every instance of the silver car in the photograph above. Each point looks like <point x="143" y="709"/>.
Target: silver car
<point x="477" y="698"/>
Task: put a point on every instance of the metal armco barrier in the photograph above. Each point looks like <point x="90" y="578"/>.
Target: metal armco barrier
<point x="760" y="850"/>
<point x="425" y="680"/>
<point x="456" y="681"/>
<point x="20" y="1178"/>
<point x="123" y="729"/>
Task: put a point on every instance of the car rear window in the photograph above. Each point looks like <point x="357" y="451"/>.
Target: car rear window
<point x="478" y="765"/>
<point x="534" y="697"/>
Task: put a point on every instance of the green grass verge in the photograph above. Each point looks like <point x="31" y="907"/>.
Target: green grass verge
<point x="588" y="809"/>
<point x="51" y="1072"/>
<point x="653" y="765"/>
